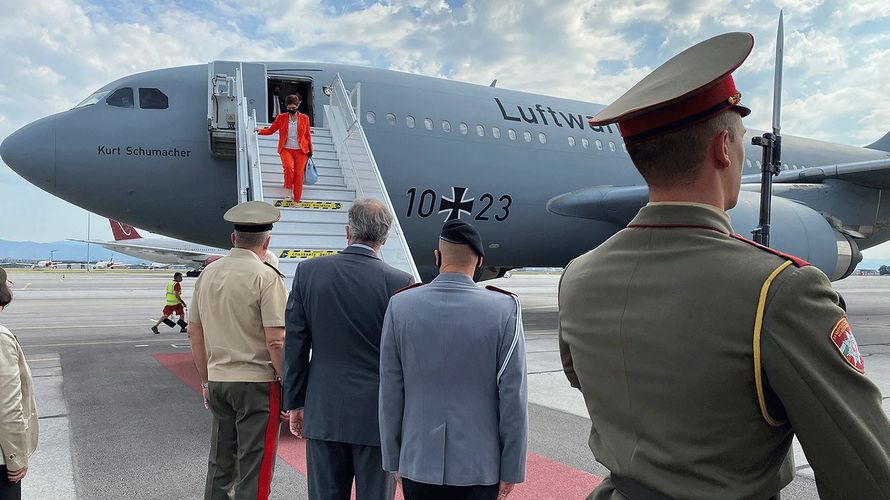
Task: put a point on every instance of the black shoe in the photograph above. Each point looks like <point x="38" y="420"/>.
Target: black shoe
<point x="155" y="330"/>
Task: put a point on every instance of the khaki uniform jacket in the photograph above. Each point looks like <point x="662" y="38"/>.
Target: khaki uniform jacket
<point x="656" y="330"/>
<point x="235" y="298"/>
<point x="18" y="409"/>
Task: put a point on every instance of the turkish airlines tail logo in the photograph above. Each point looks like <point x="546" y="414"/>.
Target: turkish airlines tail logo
<point x="123" y="231"/>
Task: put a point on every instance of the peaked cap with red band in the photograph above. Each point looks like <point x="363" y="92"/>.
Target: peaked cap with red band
<point x="691" y="87"/>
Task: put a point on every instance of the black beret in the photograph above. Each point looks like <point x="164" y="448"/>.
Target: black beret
<point x="462" y="233"/>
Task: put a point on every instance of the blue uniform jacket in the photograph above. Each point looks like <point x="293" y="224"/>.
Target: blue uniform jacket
<point x="453" y="388"/>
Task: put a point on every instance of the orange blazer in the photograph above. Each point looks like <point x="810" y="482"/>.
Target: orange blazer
<point x="282" y="123"/>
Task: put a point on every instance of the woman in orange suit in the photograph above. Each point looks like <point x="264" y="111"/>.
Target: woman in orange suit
<point x="294" y="144"/>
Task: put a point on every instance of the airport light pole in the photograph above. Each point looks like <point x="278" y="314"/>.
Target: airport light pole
<point x="89" y="216"/>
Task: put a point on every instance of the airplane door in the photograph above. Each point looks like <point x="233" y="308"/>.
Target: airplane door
<point x="254" y="81"/>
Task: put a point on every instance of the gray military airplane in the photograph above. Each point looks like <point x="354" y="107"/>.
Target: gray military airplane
<point x="539" y="182"/>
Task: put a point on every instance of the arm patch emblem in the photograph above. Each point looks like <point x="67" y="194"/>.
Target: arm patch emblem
<point x="842" y="336"/>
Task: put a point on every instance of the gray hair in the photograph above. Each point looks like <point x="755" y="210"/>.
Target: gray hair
<point x="369" y="221"/>
<point x="243" y="239"/>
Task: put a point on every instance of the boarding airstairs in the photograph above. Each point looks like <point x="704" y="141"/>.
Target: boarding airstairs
<point x="346" y="171"/>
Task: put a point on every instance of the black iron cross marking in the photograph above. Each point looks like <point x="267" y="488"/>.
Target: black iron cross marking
<point x="456" y="205"/>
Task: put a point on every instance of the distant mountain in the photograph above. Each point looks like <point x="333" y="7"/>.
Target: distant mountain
<point x="62" y="251"/>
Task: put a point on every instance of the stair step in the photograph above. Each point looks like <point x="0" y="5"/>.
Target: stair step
<point x="321" y="193"/>
<point x="308" y="205"/>
<point x="313" y="228"/>
<point x="307" y="241"/>
<point x="277" y="179"/>
<point x="339" y="217"/>
<point x="317" y="154"/>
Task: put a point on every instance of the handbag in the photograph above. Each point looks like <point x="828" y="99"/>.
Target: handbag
<point x="311" y="175"/>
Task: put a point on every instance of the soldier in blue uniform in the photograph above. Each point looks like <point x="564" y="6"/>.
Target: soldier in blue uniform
<point x="453" y="391"/>
<point x="700" y="354"/>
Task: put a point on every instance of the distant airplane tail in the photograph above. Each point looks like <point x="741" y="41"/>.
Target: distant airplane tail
<point x="882" y="144"/>
<point x="123" y="231"/>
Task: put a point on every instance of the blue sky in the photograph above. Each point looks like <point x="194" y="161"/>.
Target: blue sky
<point x="56" y="52"/>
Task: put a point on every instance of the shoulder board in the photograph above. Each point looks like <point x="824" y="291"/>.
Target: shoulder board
<point x="275" y="269"/>
<point x="499" y="290"/>
<point x="797" y="261"/>
<point x="412" y="285"/>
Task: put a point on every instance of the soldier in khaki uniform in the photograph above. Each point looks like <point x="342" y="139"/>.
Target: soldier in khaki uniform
<point x="236" y="331"/>
<point x="699" y="353"/>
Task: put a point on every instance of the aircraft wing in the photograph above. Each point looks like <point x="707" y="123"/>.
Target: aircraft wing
<point x="619" y="204"/>
<point x="134" y="249"/>
<point x="872" y="173"/>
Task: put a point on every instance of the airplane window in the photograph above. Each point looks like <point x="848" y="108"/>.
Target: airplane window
<point x="446" y="126"/>
<point x="370" y="117"/>
<point x="92" y="99"/>
<point x="585" y="143"/>
<point x="527" y="136"/>
<point x="391" y="119"/>
<point x="496" y="132"/>
<point x="571" y="141"/>
<point x="511" y="134"/>
<point x="611" y="145"/>
<point x="152" y="99"/>
<point x="599" y="145"/>
<point x="464" y="128"/>
<point x="480" y="130"/>
<point x="428" y="123"/>
<point x="409" y="121"/>
<point x="121" y="98"/>
<point x="542" y="137"/>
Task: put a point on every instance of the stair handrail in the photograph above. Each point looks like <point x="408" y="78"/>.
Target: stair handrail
<point x="253" y="153"/>
<point x="347" y="126"/>
<point x="250" y="181"/>
<point x="241" y="161"/>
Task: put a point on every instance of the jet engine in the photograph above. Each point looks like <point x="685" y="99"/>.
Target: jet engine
<point x="800" y="231"/>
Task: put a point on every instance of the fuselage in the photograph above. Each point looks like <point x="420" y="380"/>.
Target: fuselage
<point x="496" y="156"/>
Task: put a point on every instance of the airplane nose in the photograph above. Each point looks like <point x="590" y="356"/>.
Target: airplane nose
<point x="31" y="152"/>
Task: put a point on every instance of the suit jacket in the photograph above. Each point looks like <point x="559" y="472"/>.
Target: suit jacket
<point x="336" y="310"/>
<point x="453" y="389"/>
<point x="657" y="330"/>
<point x="18" y="409"/>
<point x="282" y="124"/>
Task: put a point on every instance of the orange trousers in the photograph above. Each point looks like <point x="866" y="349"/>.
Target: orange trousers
<point x="293" y="162"/>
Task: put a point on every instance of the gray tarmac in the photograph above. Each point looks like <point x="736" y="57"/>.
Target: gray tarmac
<point x="115" y="423"/>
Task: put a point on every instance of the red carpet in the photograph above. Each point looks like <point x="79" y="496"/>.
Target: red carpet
<point x="545" y="479"/>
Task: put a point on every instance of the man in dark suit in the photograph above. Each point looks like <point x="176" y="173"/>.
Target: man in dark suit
<point x="336" y="310"/>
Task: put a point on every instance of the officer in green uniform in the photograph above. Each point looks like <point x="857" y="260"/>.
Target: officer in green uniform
<point x="236" y="331"/>
<point x="700" y="354"/>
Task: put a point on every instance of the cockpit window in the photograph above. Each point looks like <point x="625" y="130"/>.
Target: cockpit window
<point x="121" y="98"/>
<point x="152" y="99"/>
<point x="92" y="99"/>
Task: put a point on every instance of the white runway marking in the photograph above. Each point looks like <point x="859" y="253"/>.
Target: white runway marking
<point x="102" y="342"/>
<point x="65" y="327"/>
